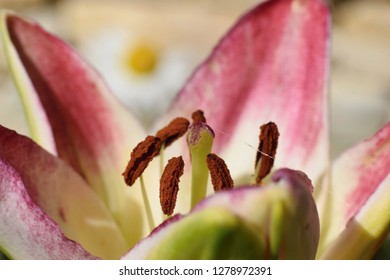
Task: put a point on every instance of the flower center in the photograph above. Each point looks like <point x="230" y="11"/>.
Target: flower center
<point x="200" y="138"/>
<point x="141" y="59"/>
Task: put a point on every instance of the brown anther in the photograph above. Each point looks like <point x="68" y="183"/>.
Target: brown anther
<point x="219" y="172"/>
<point x="266" y="152"/>
<point x="140" y="157"/>
<point x="198" y="116"/>
<point x="174" y="130"/>
<point x="169" y="184"/>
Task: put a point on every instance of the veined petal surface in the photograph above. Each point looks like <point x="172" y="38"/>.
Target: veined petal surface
<point x="271" y="66"/>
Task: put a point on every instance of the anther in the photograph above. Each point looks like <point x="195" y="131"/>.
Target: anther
<point x="266" y="152"/>
<point x="219" y="172"/>
<point x="174" y="130"/>
<point x="198" y="116"/>
<point x="140" y="157"/>
<point x="169" y="184"/>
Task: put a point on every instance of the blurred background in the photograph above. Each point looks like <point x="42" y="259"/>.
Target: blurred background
<point x="146" y="49"/>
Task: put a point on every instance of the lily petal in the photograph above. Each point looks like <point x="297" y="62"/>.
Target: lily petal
<point x="92" y="131"/>
<point x="31" y="179"/>
<point x="356" y="200"/>
<point x="26" y="232"/>
<point x="39" y="125"/>
<point x="141" y="250"/>
<point x="210" y="234"/>
<point x="271" y="66"/>
<point x="284" y="210"/>
<point x="279" y="220"/>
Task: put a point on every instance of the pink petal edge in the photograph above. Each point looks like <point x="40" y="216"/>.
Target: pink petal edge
<point x="357" y="178"/>
<point x="50" y="188"/>
<point x="91" y="129"/>
<point x="26" y="232"/>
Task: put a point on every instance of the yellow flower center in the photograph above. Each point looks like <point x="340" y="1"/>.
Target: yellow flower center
<point x="141" y="59"/>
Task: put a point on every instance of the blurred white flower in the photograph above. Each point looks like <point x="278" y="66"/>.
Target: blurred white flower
<point x="141" y="73"/>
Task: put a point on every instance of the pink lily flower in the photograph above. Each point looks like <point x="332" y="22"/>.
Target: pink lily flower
<point x="62" y="194"/>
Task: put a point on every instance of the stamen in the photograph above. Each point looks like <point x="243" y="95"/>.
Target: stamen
<point x="198" y="116"/>
<point x="219" y="172"/>
<point x="148" y="209"/>
<point x="174" y="130"/>
<point x="169" y="184"/>
<point x="140" y="157"/>
<point x="265" y="157"/>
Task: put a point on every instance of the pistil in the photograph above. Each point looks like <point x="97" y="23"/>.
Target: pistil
<point x="200" y="140"/>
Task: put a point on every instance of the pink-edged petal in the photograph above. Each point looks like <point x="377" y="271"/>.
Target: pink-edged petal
<point x="92" y="131"/>
<point x="271" y="66"/>
<point x="141" y="250"/>
<point x="26" y="232"/>
<point x="282" y="218"/>
<point x="39" y="125"/>
<point x="355" y="200"/>
<point x="49" y="183"/>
